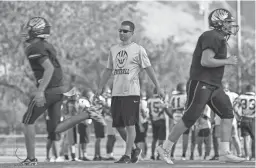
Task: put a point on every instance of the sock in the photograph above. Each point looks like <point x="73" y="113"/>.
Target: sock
<point x="168" y="145"/>
<point x="224" y="148"/>
<point x="110" y="155"/>
<point x="73" y="149"/>
<point x="85" y="154"/>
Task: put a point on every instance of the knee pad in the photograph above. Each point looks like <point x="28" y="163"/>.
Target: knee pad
<point x="54" y="136"/>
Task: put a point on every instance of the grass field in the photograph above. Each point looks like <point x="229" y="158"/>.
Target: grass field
<point x="141" y="164"/>
<point x="9" y="160"/>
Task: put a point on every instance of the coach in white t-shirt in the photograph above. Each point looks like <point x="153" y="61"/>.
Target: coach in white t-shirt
<point x="126" y="60"/>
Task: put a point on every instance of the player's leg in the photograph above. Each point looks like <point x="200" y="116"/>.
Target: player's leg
<point x="145" y="125"/>
<point x="84" y="140"/>
<point x="200" y="141"/>
<point x="154" y="139"/>
<point x="235" y="138"/>
<point x="81" y="116"/>
<point x="111" y="139"/>
<point x="48" y="148"/>
<point x="215" y="140"/>
<point x="198" y="95"/>
<point x="29" y="119"/>
<point x="252" y="133"/>
<point x="193" y="142"/>
<point x="161" y="134"/>
<point x="221" y="105"/>
<point x="99" y="134"/>
<point x="185" y="143"/>
<point x="54" y="112"/>
<point x="207" y="143"/>
<point x="139" y="139"/>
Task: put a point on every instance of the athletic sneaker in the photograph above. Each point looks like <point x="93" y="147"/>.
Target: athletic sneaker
<point x="164" y="155"/>
<point x="124" y="159"/>
<point x="229" y="157"/>
<point x="60" y="159"/>
<point x="215" y="158"/>
<point x="29" y="162"/>
<point x="135" y="155"/>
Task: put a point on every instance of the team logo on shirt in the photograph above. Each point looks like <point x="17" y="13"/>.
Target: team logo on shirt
<point x="121" y="59"/>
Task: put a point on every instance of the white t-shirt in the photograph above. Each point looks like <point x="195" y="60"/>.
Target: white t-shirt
<point x="127" y="62"/>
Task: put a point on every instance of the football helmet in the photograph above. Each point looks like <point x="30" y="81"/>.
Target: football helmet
<point x="36" y="27"/>
<point x="222" y="19"/>
<point x="181" y="87"/>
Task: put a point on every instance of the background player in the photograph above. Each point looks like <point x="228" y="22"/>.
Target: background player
<point x="245" y="108"/>
<point x="158" y="122"/>
<point x="178" y="101"/>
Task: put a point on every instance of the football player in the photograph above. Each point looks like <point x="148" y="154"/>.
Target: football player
<point x="244" y="107"/>
<point x="158" y="121"/>
<point x="49" y="81"/>
<point x="204" y="84"/>
<point x="83" y="128"/>
<point x="99" y="128"/>
<point x="178" y="101"/>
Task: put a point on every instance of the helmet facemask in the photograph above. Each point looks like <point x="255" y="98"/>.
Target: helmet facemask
<point x="230" y="28"/>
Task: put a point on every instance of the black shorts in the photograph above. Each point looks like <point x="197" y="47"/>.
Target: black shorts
<point x="83" y="131"/>
<point x="141" y="135"/>
<point x="204" y="132"/>
<point x="248" y="127"/>
<point x="125" y="110"/>
<point x="53" y="106"/>
<point x="99" y="129"/>
<point x="159" y="129"/>
<point x="200" y="94"/>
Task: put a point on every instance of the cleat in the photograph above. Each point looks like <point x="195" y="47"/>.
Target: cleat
<point x="230" y="158"/>
<point x="124" y="159"/>
<point x="29" y="162"/>
<point x="135" y="155"/>
<point x="164" y="155"/>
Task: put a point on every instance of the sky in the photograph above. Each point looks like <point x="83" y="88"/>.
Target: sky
<point x="182" y="19"/>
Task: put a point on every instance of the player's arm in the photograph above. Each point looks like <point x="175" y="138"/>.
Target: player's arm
<point x="48" y="72"/>
<point x="105" y="77"/>
<point x="106" y="73"/>
<point x="210" y="45"/>
<point x="209" y="61"/>
<point x="151" y="73"/>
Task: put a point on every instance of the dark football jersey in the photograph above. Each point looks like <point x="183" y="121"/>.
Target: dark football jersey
<point x="214" y="40"/>
<point x="39" y="51"/>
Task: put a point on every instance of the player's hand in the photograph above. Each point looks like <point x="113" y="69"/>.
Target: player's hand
<point x="232" y="60"/>
<point x="39" y="99"/>
<point x="160" y="93"/>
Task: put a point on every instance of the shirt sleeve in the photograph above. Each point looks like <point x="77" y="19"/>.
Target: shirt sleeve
<point x="37" y="54"/>
<point x="144" y="60"/>
<point x="110" y="61"/>
<point x="209" y="41"/>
